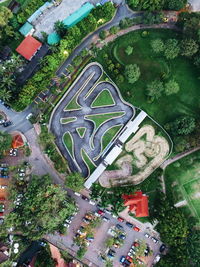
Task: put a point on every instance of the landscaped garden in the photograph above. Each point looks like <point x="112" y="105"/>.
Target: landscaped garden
<point x="182" y="179"/>
<point x="153" y="66"/>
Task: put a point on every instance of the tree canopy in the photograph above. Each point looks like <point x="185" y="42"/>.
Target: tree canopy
<point x="132" y="73"/>
<point x="5" y="142"/>
<point x="171" y="49"/>
<point x="181" y="126"/>
<point x="155" y="89"/>
<point x="75" y="181"/>
<point x="42" y="209"/>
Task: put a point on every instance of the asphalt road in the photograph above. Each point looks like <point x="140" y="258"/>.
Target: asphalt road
<point x="98" y="245"/>
<point x="82" y="89"/>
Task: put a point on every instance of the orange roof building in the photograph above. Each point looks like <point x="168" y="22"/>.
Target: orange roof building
<point x="17" y="141"/>
<point x="28" y="47"/>
<point x="138" y="204"/>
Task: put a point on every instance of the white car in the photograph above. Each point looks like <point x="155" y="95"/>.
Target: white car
<point x="92" y="202"/>
<point x="147" y="235"/>
<point x="77" y="194"/>
<point x="29" y="116"/>
<point x="3" y="186"/>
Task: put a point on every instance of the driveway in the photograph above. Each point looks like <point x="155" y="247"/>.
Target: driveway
<point x="84" y="96"/>
<point x="98" y="245"/>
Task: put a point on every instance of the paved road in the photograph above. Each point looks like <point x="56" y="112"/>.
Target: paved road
<point x="122" y="12"/>
<point x="88" y="79"/>
<point x="97" y="246"/>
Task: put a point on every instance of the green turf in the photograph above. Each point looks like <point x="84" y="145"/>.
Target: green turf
<point x="68" y="142"/>
<point x="5" y="3"/>
<point x="81" y="131"/>
<point x="73" y="104"/>
<point x="98" y="119"/>
<point x="152" y="67"/>
<point x="183" y="180"/>
<point x="104" y="98"/>
<point x="87" y="160"/>
<point x="109" y="135"/>
<point x="67" y="120"/>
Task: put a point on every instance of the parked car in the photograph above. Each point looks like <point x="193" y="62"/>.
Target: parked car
<point x="120" y="219"/>
<point x="107" y="211"/>
<point x="136" y="244"/>
<point x="85" y="198"/>
<point x="85" y="220"/>
<point x="147" y="235"/>
<point x="3" y="186"/>
<point x="136" y="229"/>
<point x="92" y="202"/>
<point x="105" y="219"/>
<point x="130" y="225"/>
<point x="7" y="106"/>
<point x="122" y="259"/>
<point x="154" y="239"/>
<point x="162" y="248"/>
<point x="122" y="237"/>
<point x="100" y="212"/>
<point x="2" y="122"/>
<point x="7" y="123"/>
<point x="29" y="116"/>
<point x="77" y="194"/>
<point x="118" y="226"/>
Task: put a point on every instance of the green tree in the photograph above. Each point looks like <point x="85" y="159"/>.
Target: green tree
<point x="129" y="50"/>
<point x="132" y="73"/>
<point x="5" y="95"/>
<point x="81" y="252"/>
<point x="171" y="49"/>
<point x="113" y="30"/>
<point x="44" y="258"/>
<point x="120" y="78"/>
<point x="176" y="4"/>
<point x="193" y="246"/>
<point x="75" y="181"/>
<point x="188" y="47"/>
<point x="171" y="87"/>
<point x="102" y="34"/>
<point x="109" y="242"/>
<point x="5" y="142"/>
<point x="43" y="208"/>
<point x="181" y="126"/>
<point x="60" y="28"/>
<point x="155" y="89"/>
<point x="157" y="45"/>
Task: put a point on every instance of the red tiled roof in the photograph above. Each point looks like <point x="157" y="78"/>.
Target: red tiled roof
<point x="17" y="141"/>
<point x="28" y="47"/>
<point x="138" y="203"/>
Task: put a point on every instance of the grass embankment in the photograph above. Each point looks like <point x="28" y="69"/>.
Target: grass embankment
<point x="152" y="66"/>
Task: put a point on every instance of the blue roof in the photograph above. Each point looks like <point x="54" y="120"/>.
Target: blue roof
<point x="53" y="38"/>
<point x="26" y="28"/>
<point x="39" y="11"/>
<point x="78" y="15"/>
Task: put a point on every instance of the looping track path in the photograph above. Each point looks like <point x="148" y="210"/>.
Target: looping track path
<point x="84" y="91"/>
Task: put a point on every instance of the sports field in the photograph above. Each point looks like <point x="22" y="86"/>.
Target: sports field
<point x="183" y="179"/>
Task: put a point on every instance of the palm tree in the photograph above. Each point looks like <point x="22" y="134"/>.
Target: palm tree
<point x="7" y="82"/>
<point x="5" y="95"/>
<point x="60" y="28"/>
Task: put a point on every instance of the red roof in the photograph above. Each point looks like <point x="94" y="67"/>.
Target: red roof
<point x="138" y="203"/>
<point x="28" y="47"/>
<point x="17" y="141"/>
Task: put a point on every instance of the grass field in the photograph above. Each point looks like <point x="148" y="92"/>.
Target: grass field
<point x="183" y="180"/>
<point x="68" y="143"/>
<point x="103" y="99"/>
<point x="152" y="67"/>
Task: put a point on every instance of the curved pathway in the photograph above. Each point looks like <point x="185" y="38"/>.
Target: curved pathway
<point x="85" y="90"/>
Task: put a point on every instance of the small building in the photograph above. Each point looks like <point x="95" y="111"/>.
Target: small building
<point x="14" y="6"/>
<point x="26" y="29"/>
<point x="39" y="12"/>
<point x="29" y="47"/>
<point x="137" y="203"/>
<point x="17" y="141"/>
<point x="53" y="38"/>
<point x="78" y="15"/>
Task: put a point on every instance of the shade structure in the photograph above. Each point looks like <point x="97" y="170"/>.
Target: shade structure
<point x="53" y="38"/>
<point x="17" y="141"/>
<point x="28" y="47"/>
<point x="26" y="29"/>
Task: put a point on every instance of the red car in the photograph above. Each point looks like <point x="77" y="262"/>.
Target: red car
<point x="1" y="213"/>
<point x="136" y="244"/>
<point x="120" y="219"/>
<point x="136" y="229"/>
<point x="100" y="212"/>
<point x="129" y="259"/>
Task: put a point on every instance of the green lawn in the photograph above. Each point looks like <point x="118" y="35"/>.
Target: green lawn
<point x="67" y="120"/>
<point x="109" y="135"/>
<point x="152" y="66"/>
<point x="68" y="143"/>
<point x="183" y="180"/>
<point x="103" y="99"/>
<point x="88" y="162"/>
<point x="98" y="119"/>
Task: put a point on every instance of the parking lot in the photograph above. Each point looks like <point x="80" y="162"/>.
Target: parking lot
<point x="97" y="246"/>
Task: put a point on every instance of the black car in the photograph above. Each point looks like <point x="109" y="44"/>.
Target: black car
<point x="7" y="106"/>
<point x="162" y="248"/>
<point x="119" y="227"/>
<point x="85" y="198"/>
<point x="130" y="225"/>
<point x="7" y="123"/>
